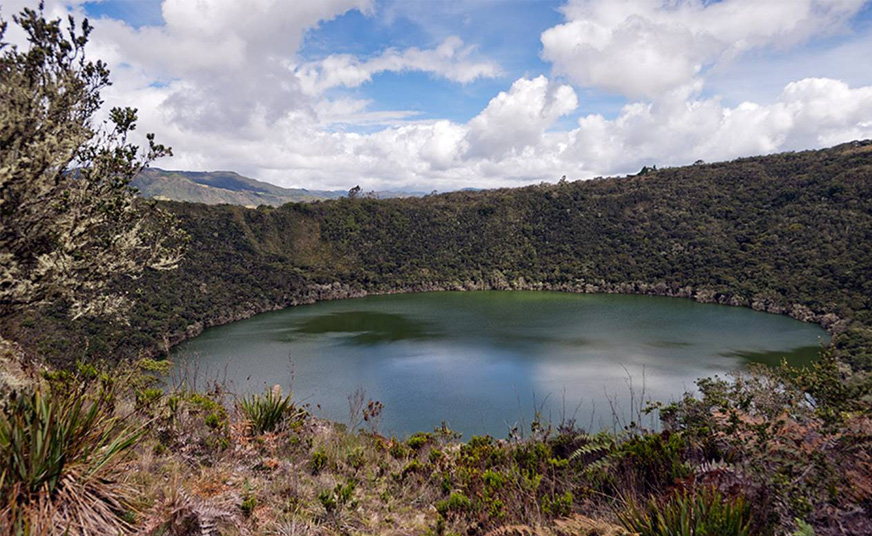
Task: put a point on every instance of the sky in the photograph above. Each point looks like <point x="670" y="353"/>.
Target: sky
<point x="446" y="94"/>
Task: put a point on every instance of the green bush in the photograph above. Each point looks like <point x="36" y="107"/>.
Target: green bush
<point x="248" y="505"/>
<point x="399" y="450"/>
<point x="319" y="461"/>
<point x="456" y="502"/>
<point x="341" y="495"/>
<point x="559" y="506"/>
<point x="145" y="398"/>
<point x="418" y="440"/>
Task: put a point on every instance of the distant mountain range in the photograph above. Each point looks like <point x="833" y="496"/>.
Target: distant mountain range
<point x="220" y="187"/>
<point x="227" y="187"/>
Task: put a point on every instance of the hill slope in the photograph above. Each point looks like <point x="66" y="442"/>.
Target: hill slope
<point x="220" y="187"/>
<point x="788" y="233"/>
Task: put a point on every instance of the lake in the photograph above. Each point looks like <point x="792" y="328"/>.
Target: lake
<point x="484" y="361"/>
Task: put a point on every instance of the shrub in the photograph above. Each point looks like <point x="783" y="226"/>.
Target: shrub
<point x="67" y="236"/>
<point x="652" y="462"/>
<point x="399" y="450"/>
<point x="418" y="440"/>
<point x="145" y="398"/>
<point x="248" y="505"/>
<point x="58" y="456"/>
<point x="340" y="496"/>
<point x="559" y="506"/>
<point x="456" y="502"/>
<point x="319" y="461"/>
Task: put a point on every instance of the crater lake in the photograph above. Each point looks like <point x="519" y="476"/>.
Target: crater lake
<point x="485" y="362"/>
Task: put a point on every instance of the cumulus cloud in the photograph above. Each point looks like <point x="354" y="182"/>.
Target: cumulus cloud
<point x="444" y="154"/>
<point x="224" y="87"/>
<point x="225" y="65"/>
<point x="518" y="118"/>
<point x="649" y="48"/>
<point x="813" y="112"/>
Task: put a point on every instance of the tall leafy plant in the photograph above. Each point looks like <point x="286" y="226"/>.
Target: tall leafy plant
<point x="59" y="457"/>
<point x="703" y="512"/>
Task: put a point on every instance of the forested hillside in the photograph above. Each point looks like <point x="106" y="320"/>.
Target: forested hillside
<point x="789" y="233"/>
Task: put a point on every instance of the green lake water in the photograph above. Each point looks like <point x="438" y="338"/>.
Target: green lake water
<point x="482" y="361"/>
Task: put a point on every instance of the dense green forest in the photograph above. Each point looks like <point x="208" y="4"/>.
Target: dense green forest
<point x="789" y="233"/>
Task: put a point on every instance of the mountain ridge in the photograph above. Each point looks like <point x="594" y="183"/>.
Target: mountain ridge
<point x="232" y="188"/>
<point x="220" y="187"/>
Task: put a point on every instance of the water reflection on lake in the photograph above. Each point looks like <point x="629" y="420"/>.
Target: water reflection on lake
<point x="483" y="360"/>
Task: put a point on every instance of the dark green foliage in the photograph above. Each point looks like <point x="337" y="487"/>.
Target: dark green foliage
<point x="249" y="503"/>
<point x="319" y="461"/>
<point x="651" y="463"/>
<point x="338" y="497"/>
<point x="148" y="397"/>
<point x="418" y="440"/>
<point x="400" y="450"/>
<point x="560" y="506"/>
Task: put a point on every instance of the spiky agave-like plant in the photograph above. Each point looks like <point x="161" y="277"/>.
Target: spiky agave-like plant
<point x="702" y="512"/>
<point x="266" y="412"/>
<point x="59" y="457"/>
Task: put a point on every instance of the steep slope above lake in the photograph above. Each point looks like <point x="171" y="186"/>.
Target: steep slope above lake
<point x="788" y="233"/>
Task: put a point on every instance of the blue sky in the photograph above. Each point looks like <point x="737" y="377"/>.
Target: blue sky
<point x="507" y="32"/>
<point x="481" y="93"/>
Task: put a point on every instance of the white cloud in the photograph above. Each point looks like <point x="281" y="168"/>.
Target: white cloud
<point x="519" y="118"/>
<point x="511" y="142"/>
<point x="227" y="64"/>
<point x="449" y="60"/>
<point x="227" y="91"/>
<point x="648" y="48"/>
<point x="813" y="112"/>
<point x="345" y="111"/>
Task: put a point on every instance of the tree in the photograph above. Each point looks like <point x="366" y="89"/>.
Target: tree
<point x="69" y="220"/>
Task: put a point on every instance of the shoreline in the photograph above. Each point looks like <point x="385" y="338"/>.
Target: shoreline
<point x="315" y="293"/>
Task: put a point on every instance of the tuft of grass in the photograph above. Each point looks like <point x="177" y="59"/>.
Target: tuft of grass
<point x="59" y="457"/>
<point x="705" y="512"/>
<point x="266" y="412"/>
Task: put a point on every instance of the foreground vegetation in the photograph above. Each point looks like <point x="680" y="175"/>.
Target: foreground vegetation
<point x="108" y="451"/>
